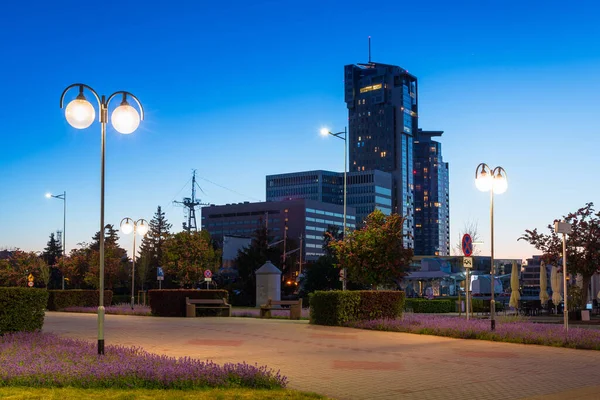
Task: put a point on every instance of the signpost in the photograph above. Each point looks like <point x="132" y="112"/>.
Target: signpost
<point x="207" y="277"/>
<point x="160" y="276"/>
<point x="30" y="283"/>
<point x="30" y="280"/>
<point x="467" y="248"/>
<point x="342" y="275"/>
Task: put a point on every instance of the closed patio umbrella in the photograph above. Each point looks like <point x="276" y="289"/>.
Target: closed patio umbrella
<point x="514" y="286"/>
<point x="556" y="297"/>
<point x="543" y="284"/>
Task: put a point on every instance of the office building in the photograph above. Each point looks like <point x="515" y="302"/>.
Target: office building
<point x="431" y="196"/>
<point x="304" y="218"/>
<point x="382" y="115"/>
<point x="365" y="191"/>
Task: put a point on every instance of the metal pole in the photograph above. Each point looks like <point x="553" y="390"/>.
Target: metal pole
<point x="345" y="179"/>
<point x="133" y="268"/>
<point x="300" y="262"/>
<point x="492" y="272"/>
<point x="566" y="310"/>
<point x="467" y="285"/>
<point x="103" y="119"/>
<point x="64" y="236"/>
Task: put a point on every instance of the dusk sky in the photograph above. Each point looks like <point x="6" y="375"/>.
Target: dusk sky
<point x="238" y="90"/>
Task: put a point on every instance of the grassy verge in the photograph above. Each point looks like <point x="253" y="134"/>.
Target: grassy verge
<point x="21" y="393"/>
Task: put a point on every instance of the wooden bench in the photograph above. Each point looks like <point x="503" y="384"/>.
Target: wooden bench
<point x="295" y="308"/>
<point x="192" y="304"/>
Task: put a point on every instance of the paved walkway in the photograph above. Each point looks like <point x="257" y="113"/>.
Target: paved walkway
<point x="346" y="363"/>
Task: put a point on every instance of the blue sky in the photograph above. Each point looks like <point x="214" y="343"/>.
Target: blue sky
<point x="238" y="90"/>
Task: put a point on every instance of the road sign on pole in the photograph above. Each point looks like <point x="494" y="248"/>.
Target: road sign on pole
<point x="467" y="245"/>
<point x="468" y="262"/>
<point x="208" y="274"/>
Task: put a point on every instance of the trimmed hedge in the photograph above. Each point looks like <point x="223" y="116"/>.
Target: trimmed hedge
<point x="431" y="306"/>
<point x="339" y="307"/>
<point x="171" y="302"/>
<point x="60" y="299"/>
<point x="22" y="309"/>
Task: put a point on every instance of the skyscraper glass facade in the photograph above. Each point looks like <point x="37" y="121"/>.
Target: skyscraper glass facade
<point x="382" y="116"/>
<point x="432" y="208"/>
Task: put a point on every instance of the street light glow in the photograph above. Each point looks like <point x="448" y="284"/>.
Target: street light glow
<point x="127" y="226"/>
<point x="324" y="131"/>
<point x="125" y="119"/>
<point x="142" y="227"/>
<point x="80" y="113"/>
<point x="48" y="195"/>
<point x="500" y="184"/>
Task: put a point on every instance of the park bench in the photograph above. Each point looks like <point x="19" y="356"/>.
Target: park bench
<point x="294" y="307"/>
<point x="192" y="304"/>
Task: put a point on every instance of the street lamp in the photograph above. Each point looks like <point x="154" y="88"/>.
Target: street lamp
<point x="125" y="119"/>
<point x="127" y="226"/>
<point x="564" y="228"/>
<point x="326" y="132"/>
<point x="63" y="197"/>
<point x="495" y="181"/>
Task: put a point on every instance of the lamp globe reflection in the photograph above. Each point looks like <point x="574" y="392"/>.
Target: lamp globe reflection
<point x="80" y="113"/>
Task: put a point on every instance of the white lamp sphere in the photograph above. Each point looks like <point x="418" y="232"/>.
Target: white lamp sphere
<point x="142" y="227"/>
<point x="80" y="113"/>
<point x="125" y="119"/>
<point x="500" y="184"/>
<point x="484" y="182"/>
<point x="127" y="227"/>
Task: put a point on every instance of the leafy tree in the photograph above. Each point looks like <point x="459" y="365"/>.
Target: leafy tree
<point x="115" y="260"/>
<point x="75" y="266"/>
<point x="152" y="247"/>
<point x="375" y="254"/>
<point x="15" y="269"/>
<point x="187" y="255"/>
<point x="582" y="245"/>
<point x="252" y="258"/>
<point x="323" y="273"/>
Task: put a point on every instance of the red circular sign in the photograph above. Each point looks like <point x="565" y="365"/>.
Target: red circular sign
<point x="30" y="284"/>
<point x="207" y="273"/>
<point x="467" y="245"/>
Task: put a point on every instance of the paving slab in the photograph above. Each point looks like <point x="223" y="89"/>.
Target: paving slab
<point x="345" y="363"/>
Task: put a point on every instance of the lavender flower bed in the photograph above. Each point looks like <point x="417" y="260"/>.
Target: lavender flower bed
<point x="120" y="309"/>
<point x="513" y="332"/>
<point x="255" y="313"/>
<point x="46" y="360"/>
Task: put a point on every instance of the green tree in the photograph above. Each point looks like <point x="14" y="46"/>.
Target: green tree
<point x="323" y="274"/>
<point x="252" y="258"/>
<point x="16" y="268"/>
<point x="152" y="247"/>
<point x="187" y="255"/>
<point x="75" y="266"/>
<point x="582" y="245"/>
<point x="53" y="251"/>
<point x="375" y="254"/>
<point x="115" y="261"/>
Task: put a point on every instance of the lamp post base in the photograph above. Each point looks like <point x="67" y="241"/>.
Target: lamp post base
<point x="100" y="347"/>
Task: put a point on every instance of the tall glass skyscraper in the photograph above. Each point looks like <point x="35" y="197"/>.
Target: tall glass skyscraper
<point x="432" y="209"/>
<point x="382" y="116"/>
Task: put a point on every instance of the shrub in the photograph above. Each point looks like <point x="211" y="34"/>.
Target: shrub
<point x="22" y="309"/>
<point x="480" y="305"/>
<point x="60" y="299"/>
<point x="380" y="304"/>
<point x="333" y="307"/>
<point x="339" y="307"/>
<point x="430" y="306"/>
<point x="171" y="302"/>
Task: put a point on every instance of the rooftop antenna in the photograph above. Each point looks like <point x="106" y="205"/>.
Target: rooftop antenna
<point x="190" y="204"/>
<point x="369" y="49"/>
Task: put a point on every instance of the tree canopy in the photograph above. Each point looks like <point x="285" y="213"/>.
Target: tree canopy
<point x="375" y="254"/>
<point x="582" y="245"/>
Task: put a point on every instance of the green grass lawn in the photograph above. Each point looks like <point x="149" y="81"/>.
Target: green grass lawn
<point x="19" y="393"/>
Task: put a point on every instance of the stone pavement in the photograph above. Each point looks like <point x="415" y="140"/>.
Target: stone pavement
<point x="345" y="363"/>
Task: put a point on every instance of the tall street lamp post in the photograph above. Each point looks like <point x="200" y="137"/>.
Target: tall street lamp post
<point x="63" y="197"/>
<point x="125" y="119"/>
<point x="338" y="135"/>
<point x="127" y="226"/>
<point x="494" y="181"/>
<point x="564" y="228"/>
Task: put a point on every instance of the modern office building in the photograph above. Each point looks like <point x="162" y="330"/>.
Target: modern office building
<point x="365" y="191"/>
<point x="304" y="218"/>
<point x="382" y="115"/>
<point x="431" y="196"/>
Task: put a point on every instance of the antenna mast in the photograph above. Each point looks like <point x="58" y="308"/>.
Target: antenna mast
<point x="369" y="49"/>
<point x="190" y="204"/>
